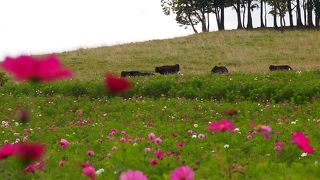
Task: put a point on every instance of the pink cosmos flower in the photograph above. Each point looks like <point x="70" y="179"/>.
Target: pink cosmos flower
<point x="265" y="131"/>
<point x="133" y="175"/>
<point x="190" y="131"/>
<point x="90" y="153"/>
<point x="7" y="150"/>
<point x="278" y="147"/>
<point x="249" y="137"/>
<point x="30" y="169"/>
<point x="180" y="144"/>
<point x="147" y="150"/>
<point x="152" y="136"/>
<point x="35" y="69"/>
<point x="182" y="173"/>
<point x="158" y="141"/>
<point x="159" y="154"/>
<point x="64" y="143"/>
<point x="201" y="136"/>
<point x="302" y="142"/>
<point x="154" y="162"/>
<point x="62" y="163"/>
<point x="90" y="172"/>
<point x="223" y="125"/>
<point x="116" y="85"/>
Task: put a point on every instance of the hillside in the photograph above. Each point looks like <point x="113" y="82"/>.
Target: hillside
<point x="240" y="51"/>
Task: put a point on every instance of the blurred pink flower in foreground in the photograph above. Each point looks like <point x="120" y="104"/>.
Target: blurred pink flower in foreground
<point x="64" y="143"/>
<point x="302" y="142"/>
<point x="28" y="68"/>
<point x="90" y="172"/>
<point x="182" y="173"/>
<point x="133" y="175"/>
<point x="29" y="152"/>
<point x="7" y="150"/>
<point x="223" y="125"/>
<point x="116" y="85"/>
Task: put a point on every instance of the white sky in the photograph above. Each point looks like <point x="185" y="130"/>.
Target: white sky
<point x="42" y="26"/>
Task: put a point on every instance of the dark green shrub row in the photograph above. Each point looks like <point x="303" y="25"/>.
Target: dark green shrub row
<point x="295" y="87"/>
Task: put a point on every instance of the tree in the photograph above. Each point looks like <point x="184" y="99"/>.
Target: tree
<point x="290" y="12"/>
<point x="299" y="22"/>
<point x="317" y="12"/>
<point x="261" y="14"/>
<point x="188" y="12"/>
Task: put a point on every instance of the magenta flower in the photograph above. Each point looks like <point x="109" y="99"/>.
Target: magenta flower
<point x="152" y="136"/>
<point x="30" y="152"/>
<point x="265" y="131"/>
<point x="133" y="175"/>
<point x="180" y="144"/>
<point x="64" y="143"/>
<point x="159" y="154"/>
<point x="30" y="169"/>
<point x="249" y="137"/>
<point x="116" y="85"/>
<point x="154" y="162"/>
<point x="90" y="153"/>
<point x="302" y="142"/>
<point x="182" y="173"/>
<point x="278" y="147"/>
<point x="7" y="150"/>
<point x="90" y="172"/>
<point x="27" y="68"/>
<point x="158" y="141"/>
<point x="223" y="125"/>
<point x="201" y="136"/>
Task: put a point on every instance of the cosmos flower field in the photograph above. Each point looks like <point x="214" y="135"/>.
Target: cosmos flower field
<point x="176" y="135"/>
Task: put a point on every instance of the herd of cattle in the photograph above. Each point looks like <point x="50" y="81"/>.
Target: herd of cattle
<point x="176" y="68"/>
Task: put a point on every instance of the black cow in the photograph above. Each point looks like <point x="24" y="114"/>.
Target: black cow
<point x="168" y="69"/>
<point x="280" y="68"/>
<point x="135" y="73"/>
<point x="220" y="69"/>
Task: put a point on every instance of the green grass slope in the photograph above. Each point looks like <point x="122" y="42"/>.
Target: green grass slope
<point x="241" y="51"/>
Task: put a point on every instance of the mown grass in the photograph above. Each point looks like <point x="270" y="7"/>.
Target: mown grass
<point x="241" y="51"/>
<point x="208" y="157"/>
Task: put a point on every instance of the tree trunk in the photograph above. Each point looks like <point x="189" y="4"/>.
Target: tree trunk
<point x="222" y="15"/>
<point x="208" y="18"/>
<point x="249" y="25"/>
<point x="305" y="12"/>
<point x="275" y="24"/>
<point x="261" y="14"/>
<point x="299" y="22"/>
<point x="244" y="13"/>
<point x="309" y="9"/>
<point x="238" y="9"/>
<point x="194" y="29"/>
<point x="265" y="13"/>
<point x="290" y="12"/>
<point x="317" y="12"/>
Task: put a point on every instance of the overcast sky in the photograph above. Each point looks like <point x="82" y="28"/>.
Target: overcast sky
<point x="42" y="26"/>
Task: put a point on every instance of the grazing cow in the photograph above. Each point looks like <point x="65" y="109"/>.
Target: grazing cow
<point x="168" y="69"/>
<point x="135" y="73"/>
<point x="220" y="69"/>
<point x="280" y="68"/>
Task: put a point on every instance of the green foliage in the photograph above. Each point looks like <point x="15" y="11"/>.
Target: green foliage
<point x="297" y="87"/>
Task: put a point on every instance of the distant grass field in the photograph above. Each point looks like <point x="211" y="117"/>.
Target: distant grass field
<point x="241" y="51"/>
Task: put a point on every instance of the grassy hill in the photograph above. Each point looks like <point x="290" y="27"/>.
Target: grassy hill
<point x="241" y="51"/>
